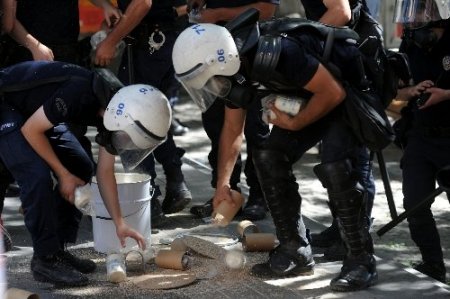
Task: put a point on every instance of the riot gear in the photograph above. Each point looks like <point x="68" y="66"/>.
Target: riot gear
<point x="139" y="118"/>
<point x="200" y="53"/>
<point x="414" y="14"/>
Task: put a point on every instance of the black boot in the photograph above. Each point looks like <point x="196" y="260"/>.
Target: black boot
<point x="327" y="237"/>
<point x="177" y="195"/>
<point x="256" y="207"/>
<point x="158" y="219"/>
<point x="56" y="270"/>
<point x="348" y="206"/>
<point x="82" y="265"/>
<point x="293" y="256"/>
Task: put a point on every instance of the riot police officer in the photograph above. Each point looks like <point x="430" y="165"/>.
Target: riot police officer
<point x="38" y="99"/>
<point x="426" y="41"/>
<point x="214" y="69"/>
<point x="256" y="131"/>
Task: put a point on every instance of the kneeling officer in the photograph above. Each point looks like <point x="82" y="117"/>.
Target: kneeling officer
<point x="38" y="98"/>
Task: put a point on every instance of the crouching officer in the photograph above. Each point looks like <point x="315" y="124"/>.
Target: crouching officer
<point x="210" y="65"/>
<point x="38" y="98"/>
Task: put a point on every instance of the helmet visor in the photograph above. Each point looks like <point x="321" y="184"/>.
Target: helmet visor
<point x="418" y="13"/>
<point x="204" y="97"/>
<point x="130" y="154"/>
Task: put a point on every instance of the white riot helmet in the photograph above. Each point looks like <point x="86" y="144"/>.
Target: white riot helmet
<point x="201" y="52"/>
<point x="415" y="14"/>
<point x="139" y="118"/>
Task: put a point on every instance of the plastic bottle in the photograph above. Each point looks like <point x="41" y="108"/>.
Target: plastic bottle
<point x="83" y="196"/>
<point x="115" y="267"/>
<point x="289" y="105"/>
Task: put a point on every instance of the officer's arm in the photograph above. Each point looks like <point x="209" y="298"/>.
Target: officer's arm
<point x="338" y="12"/>
<point x="327" y="94"/>
<point x="107" y="186"/>
<point x="229" y="149"/>
<point x="34" y="132"/>
<point x="132" y="16"/>
<point x="9" y="15"/>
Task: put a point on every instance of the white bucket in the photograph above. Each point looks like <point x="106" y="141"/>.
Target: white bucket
<point x="134" y="199"/>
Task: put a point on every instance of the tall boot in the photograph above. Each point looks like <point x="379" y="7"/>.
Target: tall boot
<point x="293" y="256"/>
<point x="177" y="195"/>
<point x="348" y="206"/>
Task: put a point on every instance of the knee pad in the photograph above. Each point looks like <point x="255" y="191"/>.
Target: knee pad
<point x="336" y="176"/>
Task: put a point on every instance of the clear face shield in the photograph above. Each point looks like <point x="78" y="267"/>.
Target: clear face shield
<point x="130" y="153"/>
<point x="205" y="95"/>
<point x="415" y="14"/>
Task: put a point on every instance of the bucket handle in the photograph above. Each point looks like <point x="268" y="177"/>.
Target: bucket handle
<point x="134" y="213"/>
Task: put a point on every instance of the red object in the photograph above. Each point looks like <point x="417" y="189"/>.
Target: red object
<point x="91" y="17"/>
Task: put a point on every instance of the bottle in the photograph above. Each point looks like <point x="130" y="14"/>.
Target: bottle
<point x="115" y="267"/>
<point x="83" y="196"/>
<point x="289" y="105"/>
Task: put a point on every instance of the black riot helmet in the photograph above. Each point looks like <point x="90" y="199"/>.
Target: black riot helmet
<point x="415" y="14"/>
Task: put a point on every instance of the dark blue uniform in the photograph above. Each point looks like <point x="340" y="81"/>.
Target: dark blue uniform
<point x="51" y="220"/>
<point x="428" y="145"/>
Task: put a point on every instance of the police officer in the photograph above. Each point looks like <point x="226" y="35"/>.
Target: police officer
<point x="38" y="98"/>
<point x="256" y="131"/>
<point x="153" y="29"/>
<point x="426" y="41"/>
<point x="274" y="60"/>
<point x="341" y="13"/>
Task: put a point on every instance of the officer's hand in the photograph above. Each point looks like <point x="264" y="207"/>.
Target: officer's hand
<point x="195" y="4"/>
<point x="437" y="95"/>
<point x="67" y="184"/>
<point x="221" y="194"/>
<point x="104" y="53"/>
<point x="124" y="231"/>
<point x="112" y="15"/>
<point x="41" y="52"/>
<point x="416" y="91"/>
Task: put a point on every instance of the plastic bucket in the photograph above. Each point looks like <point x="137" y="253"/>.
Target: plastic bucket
<point x="134" y="199"/>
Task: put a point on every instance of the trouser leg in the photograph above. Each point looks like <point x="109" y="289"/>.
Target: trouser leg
<point x="347" y="201"/>
<point x="293" y="255"/>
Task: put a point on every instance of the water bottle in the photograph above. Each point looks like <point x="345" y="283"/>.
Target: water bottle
<point x="115" y="267"/>
<point x="289" y="105"/>
<point x="83" y="196"/>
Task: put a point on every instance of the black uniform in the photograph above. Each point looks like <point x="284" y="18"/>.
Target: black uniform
<point x="154" y="66"/>
<point x="55" y="23"/>
<point x="299" y="50"/>
<point x="427" y="145"/>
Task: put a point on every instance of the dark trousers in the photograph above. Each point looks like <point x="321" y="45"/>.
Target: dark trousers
<point x="422" y="158"/>
<point x="255" y="131"/>
<point x="51" y="220"/>
<point x="155" y="69"/>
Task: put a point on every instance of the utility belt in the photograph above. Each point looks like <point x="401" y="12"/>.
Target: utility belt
<point x="152" y="35"/>
<point x="435" y="131"/>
